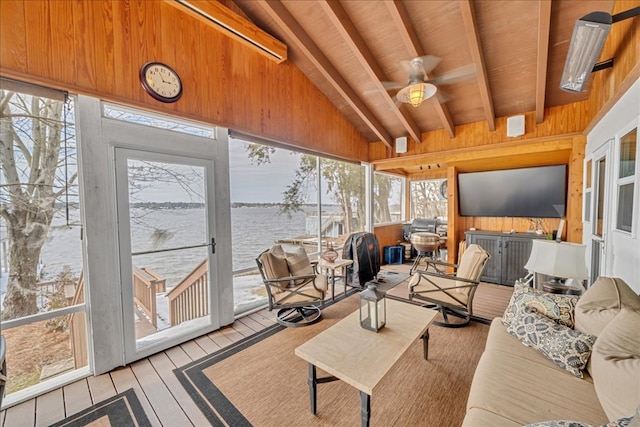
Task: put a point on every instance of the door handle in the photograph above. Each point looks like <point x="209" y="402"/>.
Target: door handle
<point x="213" y="245"/>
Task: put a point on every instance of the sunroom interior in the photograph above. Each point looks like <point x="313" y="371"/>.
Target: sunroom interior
<point x="236" y="124"/>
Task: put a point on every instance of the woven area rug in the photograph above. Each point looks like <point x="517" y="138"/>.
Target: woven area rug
<point x="121" y="410"/>
<point x="259" y="381"/>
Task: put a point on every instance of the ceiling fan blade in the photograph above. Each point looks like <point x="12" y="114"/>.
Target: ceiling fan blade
<point x="429" y="62"/>
<point x="454" y="76"/>
<point x="392" y="85"/>
<point x="443" y="96"/>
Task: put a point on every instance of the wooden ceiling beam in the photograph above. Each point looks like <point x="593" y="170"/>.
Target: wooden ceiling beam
<point x="289" y="25"/>
<point x="469" y="155"/>
<point x="220" y="17"/>
<point x="407" y="32"/>
<point x="544" y="26"/>
<point x="351" y="36"/>
<point x="471" y="30"/>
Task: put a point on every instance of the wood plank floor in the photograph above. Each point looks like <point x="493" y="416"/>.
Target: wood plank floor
<point x="164" y="400"/>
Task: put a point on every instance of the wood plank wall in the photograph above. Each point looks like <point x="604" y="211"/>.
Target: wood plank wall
<point x="622" y="44"/>
<point x="97" y="48"/>
<point x="388" y="235"/>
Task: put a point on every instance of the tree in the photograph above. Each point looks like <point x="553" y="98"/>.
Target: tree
<point x="31" y="140"/>
<point x="426" y="200"/>
<point x="345" y="182"/>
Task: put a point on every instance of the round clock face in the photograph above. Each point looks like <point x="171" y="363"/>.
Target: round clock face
<point x="161" y="82"/>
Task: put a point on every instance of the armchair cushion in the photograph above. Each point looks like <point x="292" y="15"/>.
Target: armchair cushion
<point x="299" y="264"/>
<point x="275" y="267"/>
<point x="432" y="292"/>
<point x="471" y="266"/>
<point x="306" y="292"/>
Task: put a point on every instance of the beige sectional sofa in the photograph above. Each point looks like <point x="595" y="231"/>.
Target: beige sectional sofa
<point x="516" y="385"/>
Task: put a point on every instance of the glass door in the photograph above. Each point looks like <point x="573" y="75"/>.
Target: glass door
<point x="599" y="212"/>
<point x="166" y="243"/>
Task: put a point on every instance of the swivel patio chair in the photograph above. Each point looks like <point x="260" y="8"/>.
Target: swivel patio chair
<point x="293" y="287"/>
<point x="451" y="293"/>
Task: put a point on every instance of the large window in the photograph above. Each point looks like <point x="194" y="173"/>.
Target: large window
<point x="428" y="199"/>
<point x="290" y="198"/>
<point x="388" y="196"/>
<point x="41" y="285"/>
<point x="625" y="182"/>
<point x="343" y="201"/>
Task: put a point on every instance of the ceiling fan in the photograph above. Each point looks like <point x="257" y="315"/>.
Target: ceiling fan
<point x="419" y="89"/>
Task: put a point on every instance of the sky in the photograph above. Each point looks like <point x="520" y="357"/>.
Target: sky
<point x="264" y="183"/>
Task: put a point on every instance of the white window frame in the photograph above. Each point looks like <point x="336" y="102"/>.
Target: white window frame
<point x="403" y="194"/>
<point x="632" y="179"/>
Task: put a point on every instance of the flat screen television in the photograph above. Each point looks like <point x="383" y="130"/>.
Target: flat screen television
<point x="538" y="192"/>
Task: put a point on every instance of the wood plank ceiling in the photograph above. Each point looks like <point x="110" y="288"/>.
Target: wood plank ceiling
<point x="515" y="49"/>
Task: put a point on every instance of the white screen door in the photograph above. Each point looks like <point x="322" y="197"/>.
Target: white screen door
<point x="599" y="211"/>
<point x="166" y="245"/>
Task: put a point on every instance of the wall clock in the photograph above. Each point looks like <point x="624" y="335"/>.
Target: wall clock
<point x="161" y="82"/>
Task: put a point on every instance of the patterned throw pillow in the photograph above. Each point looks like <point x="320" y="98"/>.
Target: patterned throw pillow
<point x="566" y="347"/>
<point x="622" y="422"/>
<point x="558" y="307"/>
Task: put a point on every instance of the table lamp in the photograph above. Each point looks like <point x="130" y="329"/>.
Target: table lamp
<point x="559" y="261"/>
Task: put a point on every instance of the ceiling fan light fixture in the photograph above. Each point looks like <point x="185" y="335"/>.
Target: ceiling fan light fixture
<point x="416" y="93"/>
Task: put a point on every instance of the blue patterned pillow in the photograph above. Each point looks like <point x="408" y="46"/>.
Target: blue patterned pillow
<point x="559" y="307"/>
<point x="566" y="347"/>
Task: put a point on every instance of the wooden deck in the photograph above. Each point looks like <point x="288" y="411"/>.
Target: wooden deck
<point x="164" y="400"/>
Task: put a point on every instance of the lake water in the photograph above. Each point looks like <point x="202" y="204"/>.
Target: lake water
<point x="254" y="229"/>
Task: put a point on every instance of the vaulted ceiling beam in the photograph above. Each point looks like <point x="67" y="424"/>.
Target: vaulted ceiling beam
<point x="410" y="39"/>
<point x="471" y="30"/>
<point x="312" y="52"/>
<point x="339" y="18"/>
<point x="544" y="25"/>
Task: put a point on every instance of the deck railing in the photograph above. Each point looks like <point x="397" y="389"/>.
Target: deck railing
<point x="190" y="298"/>
<point x="78" y="328"/>
<point x="146" y="284"/>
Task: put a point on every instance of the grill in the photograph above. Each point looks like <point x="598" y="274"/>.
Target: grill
<point x="425" y="239"/>
<point x="428" y="225"/>
<point x="425" y="242"/>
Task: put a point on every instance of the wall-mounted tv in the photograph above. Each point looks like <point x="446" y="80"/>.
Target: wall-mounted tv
<point x="538" y="192"/>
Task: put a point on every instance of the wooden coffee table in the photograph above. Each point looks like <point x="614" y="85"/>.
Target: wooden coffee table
<point x="360" y="357"/>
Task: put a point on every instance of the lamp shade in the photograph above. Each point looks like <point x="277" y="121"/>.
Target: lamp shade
<point x="415" y="93"/>
<point x="558" y="259"/>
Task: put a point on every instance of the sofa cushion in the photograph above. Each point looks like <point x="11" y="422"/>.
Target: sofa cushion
<point x="525" y="392"/>
<point x="615" y="365"/>
<point x="602" y="302"/>
<point x="558" y="307"/>
<point x="500" y="340"/>
<point x="566" y="347"/>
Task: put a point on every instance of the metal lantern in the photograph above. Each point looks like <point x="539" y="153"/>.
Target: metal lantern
<point x="373" y="310"/>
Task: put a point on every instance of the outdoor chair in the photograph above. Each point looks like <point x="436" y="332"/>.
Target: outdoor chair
<point x="451" y="293"/>
<point x="293" y="286"/>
